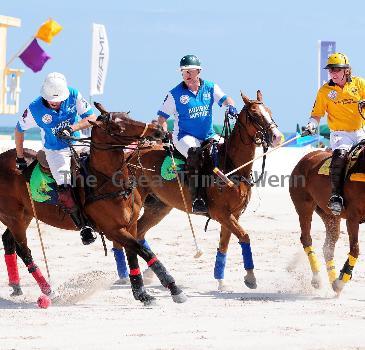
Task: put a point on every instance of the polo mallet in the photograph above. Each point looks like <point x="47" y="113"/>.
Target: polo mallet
<point x="230" y="183"/>
<point x="39" y="230"/>
<point x="199" y="252"/>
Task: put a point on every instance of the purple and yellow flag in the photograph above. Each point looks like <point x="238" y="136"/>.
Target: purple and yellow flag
<point x="48" y="30"/>
<point x="34" y="57"/>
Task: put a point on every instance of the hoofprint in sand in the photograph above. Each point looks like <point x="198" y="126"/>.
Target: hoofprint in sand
<point x="94" y="313"/>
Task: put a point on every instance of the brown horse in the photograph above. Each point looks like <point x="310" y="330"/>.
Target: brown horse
<point x="310" y="192"/>
<point x="253" y="126"/>
<point x="110" y="134"/>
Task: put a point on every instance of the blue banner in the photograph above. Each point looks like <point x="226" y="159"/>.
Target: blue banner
<point x="326" y="48"/>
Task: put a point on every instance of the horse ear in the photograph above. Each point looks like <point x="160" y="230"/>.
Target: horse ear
<point x="245" y="99"/>
<point x="259" y="96"/>
<point x="100" y="107"/>
<point x="96" y="124"/>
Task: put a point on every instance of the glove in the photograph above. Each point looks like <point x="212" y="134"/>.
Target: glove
<point x="231" y="110"/>
<point x="21" y="164"/>
<point x="310" y="129"/>
<point x="65" y="132"/>
<point x="167" y="138"/>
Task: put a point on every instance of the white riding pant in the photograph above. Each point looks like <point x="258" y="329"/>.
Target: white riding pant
<point x="189" y="141"/>
<point x="60" y="165"/>
<point x="346" y="139"/>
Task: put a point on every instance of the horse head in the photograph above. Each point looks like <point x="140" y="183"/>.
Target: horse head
<point x="120" y="127"/>
<point x="258" y="121"/>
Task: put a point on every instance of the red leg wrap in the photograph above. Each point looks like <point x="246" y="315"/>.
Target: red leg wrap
<point x="12" y="267"/>
<point x="37" y="274"/>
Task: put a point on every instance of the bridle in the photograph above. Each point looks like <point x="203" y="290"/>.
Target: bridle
<point x="261" y="137"/>
<point x="263" y="132"/>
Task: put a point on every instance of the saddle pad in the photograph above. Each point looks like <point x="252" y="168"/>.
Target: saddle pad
<point x="167" y="171"/>
<point x="43" y="186"/>
<point x="325" y="167"/>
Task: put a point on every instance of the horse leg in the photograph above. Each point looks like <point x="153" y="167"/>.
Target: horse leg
<point x="120" y="260"/>
<point x="18" y="228"/>
<point x="154" y="211"/>
<point x="332" y="224"/>
<point x="304" y="205"/>
<point x="11" y="262"/>
<point x="220" y="258"/>
<point x="138" y="289"/>
<point x="352" y="224"/>
<point x="231" y="224"/>
<point x="126" y="239"/>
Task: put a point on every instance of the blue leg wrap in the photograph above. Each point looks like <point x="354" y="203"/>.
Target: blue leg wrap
<point x="220" y="264"/>
<point x="247" y="255"/>
<point x="144" y="243"/>
<point x="121" y="262"/>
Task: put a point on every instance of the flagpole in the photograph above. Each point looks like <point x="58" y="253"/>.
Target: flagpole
<point x="319" y="85"/>
<point x="19" y="52"/>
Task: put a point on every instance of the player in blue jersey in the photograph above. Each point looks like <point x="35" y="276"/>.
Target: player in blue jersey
<point x="59" y="111"/>
<point x="190" y="103"/>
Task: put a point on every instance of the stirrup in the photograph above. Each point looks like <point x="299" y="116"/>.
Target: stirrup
<point x="199" y="206"/>
<point x="335" y="204"/>
<point x="87" y="234"/>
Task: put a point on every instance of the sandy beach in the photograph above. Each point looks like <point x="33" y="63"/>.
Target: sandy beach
<point x="284" y="311"/>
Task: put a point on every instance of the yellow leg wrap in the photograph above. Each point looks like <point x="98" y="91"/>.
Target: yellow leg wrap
<point x="312" y="257"/>
<point x="331" y="270"/>
<point x="351" y="261"/>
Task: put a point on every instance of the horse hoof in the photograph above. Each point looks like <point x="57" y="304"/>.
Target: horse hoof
<point x="337" y="286"/>
<point x="250" y="284"/>
<point x="17" y="291"/>
<point x="222" y="287"/>
<point x="123" y="281"/>
<point x="147" y="300"/>
<point x="179" y="298"/>
<point x="148" y="276"/>
<point x="316" y="282"/>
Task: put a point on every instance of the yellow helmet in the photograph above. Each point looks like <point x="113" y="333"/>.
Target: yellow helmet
<point x="337" y="60"/>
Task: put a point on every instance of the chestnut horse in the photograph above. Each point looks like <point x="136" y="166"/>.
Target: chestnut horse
<point x="253" y="126"/>
<point x="112" y="207"/>
<point x="310" y="192"/>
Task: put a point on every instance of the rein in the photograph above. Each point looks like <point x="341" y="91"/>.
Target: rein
<point x="262" y="137"/>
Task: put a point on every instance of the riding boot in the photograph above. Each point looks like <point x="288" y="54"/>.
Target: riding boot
<point x="68" y="204"/>
<point x="337" y="168"/>
<point x="195" y="181"/>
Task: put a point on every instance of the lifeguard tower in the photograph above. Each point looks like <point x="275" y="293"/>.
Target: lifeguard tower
<point x="10" y="78"/>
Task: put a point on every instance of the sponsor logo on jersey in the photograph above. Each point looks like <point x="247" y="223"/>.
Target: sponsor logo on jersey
<point x="71" y="109"/>
<point x="206" y="96"/>
<point x="332" y="94"/>
<point x="47" y="119"/>
<point x="184" y="99"/>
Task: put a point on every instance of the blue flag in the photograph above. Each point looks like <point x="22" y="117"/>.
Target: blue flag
<point x="326" y="48"/>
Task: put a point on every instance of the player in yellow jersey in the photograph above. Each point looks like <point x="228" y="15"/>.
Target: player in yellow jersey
<point x="339" y="98"/>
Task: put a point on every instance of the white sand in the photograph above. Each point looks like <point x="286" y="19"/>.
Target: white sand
<point x="283" y="312"/>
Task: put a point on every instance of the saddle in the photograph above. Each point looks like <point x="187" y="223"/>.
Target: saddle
<point x="208" y="158"/>
<point x="43" y="186"/>
<point x="354" y="172"/>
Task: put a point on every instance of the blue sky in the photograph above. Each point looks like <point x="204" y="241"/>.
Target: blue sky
<point x="243" y="45"/>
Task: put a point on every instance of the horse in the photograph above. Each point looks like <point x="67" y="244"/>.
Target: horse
<point x="254" y="126"/>
<point x="111" y="194"/>
<point x="310" y="190"/>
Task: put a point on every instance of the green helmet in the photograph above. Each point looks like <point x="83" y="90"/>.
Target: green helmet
<point x="190" y="62"/>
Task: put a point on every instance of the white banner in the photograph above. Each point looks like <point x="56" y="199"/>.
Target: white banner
<point x="99" y="59"/>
